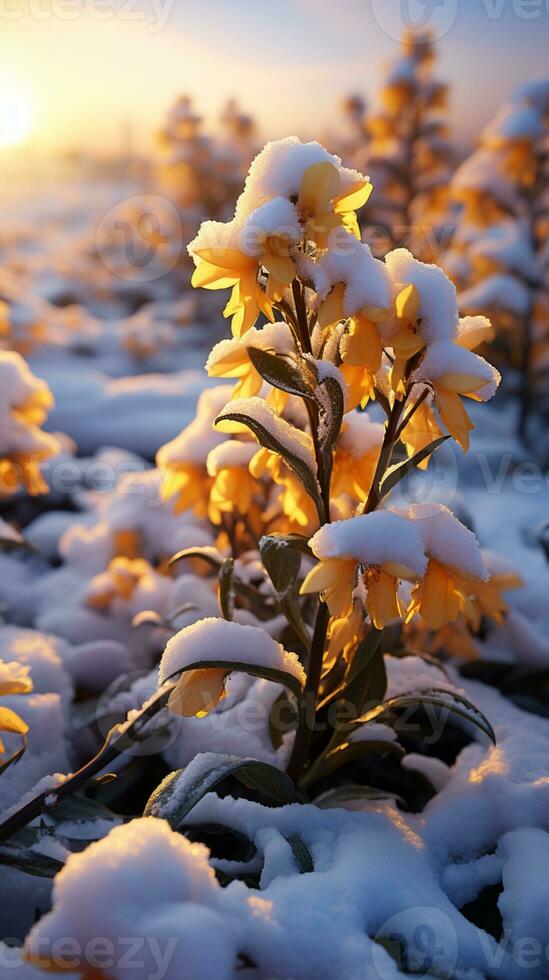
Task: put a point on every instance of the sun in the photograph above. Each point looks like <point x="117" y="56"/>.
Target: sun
<point x="16" y="115"/>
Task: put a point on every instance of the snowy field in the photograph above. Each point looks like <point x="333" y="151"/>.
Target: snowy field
<point x="443" y="873"/>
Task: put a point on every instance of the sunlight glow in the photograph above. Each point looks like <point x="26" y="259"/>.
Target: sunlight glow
<point x="16" y="114"/>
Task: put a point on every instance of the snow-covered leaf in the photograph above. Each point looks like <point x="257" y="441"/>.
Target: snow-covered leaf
<point x="301" y="854"/>
<point x="268" y="440"/>
<point x="255" y="670"/>
<point x="282" y="373"/>
<point x="352" y="795"/>
<point x="181" y="790"/>
<point x="439" y="697"/>
<point x="30" y="862"/>
<point x="331" y="404"/>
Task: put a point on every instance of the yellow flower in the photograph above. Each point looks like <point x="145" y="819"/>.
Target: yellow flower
<point x="14" y="679"/>
<point x="26" y="404"/>
<point x="440" y="596"/>
<point x="356" y="456"/>
<point x="487" y="599"/>
<point x="182" y="461"/>
<point x="323" y="204"/>
<point x="118" y="582"/>
<point x="126" y="544"/>
<point x="222" y="268"/>
<point x="335" y="580"/>
<point x="455" y="567"/>
<point x="198" y="691"/>
<point x="187" y="484"/>
<point x="407" y="341"/>
<point x="233" y="488"/>
<point x="295" y="502"/>
<point x="453" y="371"/>
<point x="229" y="358"/>
<point x="361" y="351"/>
<point x="11" y="722"/>
<point x="420" y="431"/>
<point x="344" y="633"/>
<point x="369" y="553"/>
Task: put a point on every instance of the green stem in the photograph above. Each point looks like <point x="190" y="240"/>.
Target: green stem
<point x="111" y="748"/>
<point x="308" y="700"/>
<point x="389" y="440"/>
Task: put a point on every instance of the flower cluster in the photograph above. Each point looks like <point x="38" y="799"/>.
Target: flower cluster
<point x="406" y="148"/>
<point x="281" y="454"/>
<point x="24" y="403"/>
<point x="498" y="254"/>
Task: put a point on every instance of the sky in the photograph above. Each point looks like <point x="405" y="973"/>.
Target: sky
<point x="78" y="73"/>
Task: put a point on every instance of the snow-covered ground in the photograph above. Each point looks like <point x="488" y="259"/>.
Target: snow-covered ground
<point x="458" y="889"/>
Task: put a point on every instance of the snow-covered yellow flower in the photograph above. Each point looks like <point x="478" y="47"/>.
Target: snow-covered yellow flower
<point x="182" y="461"/>
<point x="118" y="582"/>
<point x="356" y="455"/>
<point x="371" y="554"/>
<point x="455" y="567"/>
<point x="294" y="502"/>
<point x="223" y="268"/>
<point x="323" y="204"/>
<point x="361" y="351"/>
<point x="230" y="359"/>
<point x="24" y="404"/>
<point x="233" y="487"/>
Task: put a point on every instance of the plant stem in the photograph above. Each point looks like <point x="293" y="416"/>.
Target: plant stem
<point x="389" y="440"/>
<point x="300" y="751"/>
<point x="112" y="747"/>
<point x="301" y="314"/>
<point x="304" y="734"/>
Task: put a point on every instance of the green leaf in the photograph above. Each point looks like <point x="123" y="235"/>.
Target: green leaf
<point x="282" y="704"/>
<point x="289" y="606"/>
<point x="397" y="473"/>
<point x="438" y="697"/>
<point x="301" y="853"/>
<point x="366" y="649"/>
<point x="294" y="462"/>
<point x="331" y="405"/>
<point x="179" y="792"/>
<point x="353" y="793"/>
<point x="12" y="760"/>
<point x="30" y="862"/>
<point x="369" y="683"/>
<point x="208" y="554"/>
<point x="255" y="670"/>
<point x="283" y="373"/>
<point x="349" y="752"/>
<point x="226" y="588"/>
<point x="281" y="560"/>
<point x="80" y="809"/>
